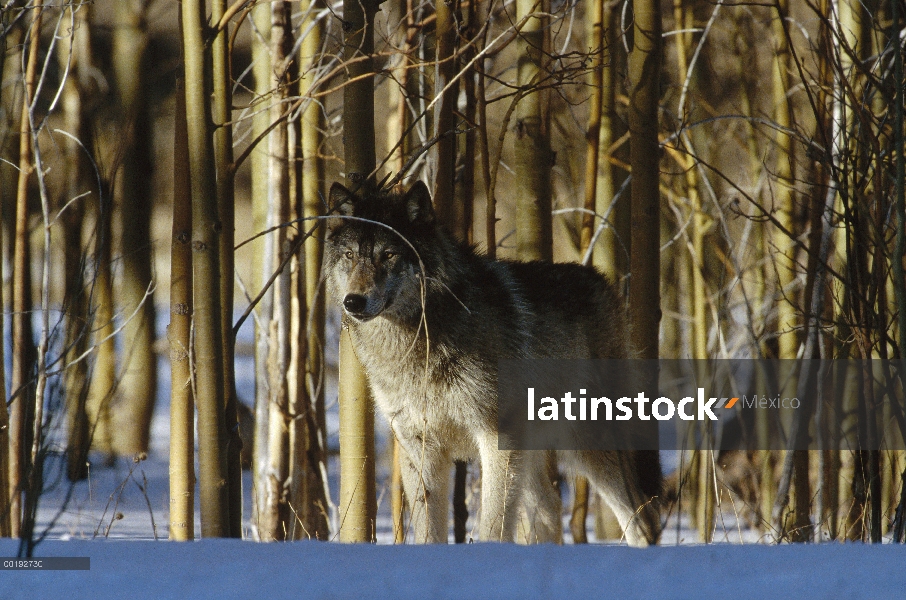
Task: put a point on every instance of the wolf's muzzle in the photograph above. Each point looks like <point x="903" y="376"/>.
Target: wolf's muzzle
<point x="355" y="303"/>
<point x="356" y="306"/>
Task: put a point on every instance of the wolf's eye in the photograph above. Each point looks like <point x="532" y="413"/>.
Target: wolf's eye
<point x="387" y="254"/>
<point x="349" y="254"/>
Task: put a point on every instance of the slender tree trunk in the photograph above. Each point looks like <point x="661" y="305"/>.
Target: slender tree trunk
<point x="645" y="265"/>
<point x="358" y="503"/>
<point x="644" y="76"/>
<point x="397" y="136"/>
<point x="593" y="131"/>
<point x="263" y="250"/>
<point x="465" y="164"/>
<point x="75" y="54"/>
<point x="592" y="158"/>
<point x="23" y="347"/>
<point x="899" y="277"/>
<point x="139" y="376"/>
<point x="533" y="157"/>
<point x="449" y="212"/>
<point x="312" y="193"/>
<point x="611" y="252"/>
<point x="182" y="401"/>
<point x="784" y="196"/>
<point x="276" y="523"/>
<point x="103" y="378"/>
<point x="9" y="70"/>
<point x="397" y="497"/>
<point x="222" y="114"/>
<point x="300" y="403"/>
<point x="208" y="346"/>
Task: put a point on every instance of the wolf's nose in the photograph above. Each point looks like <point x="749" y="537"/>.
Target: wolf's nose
<point x="355" y="303"/>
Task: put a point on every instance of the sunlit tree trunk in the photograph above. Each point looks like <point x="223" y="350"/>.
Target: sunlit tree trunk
<point x="222" y="114"/>
<point x="182" y="401"/>
<point x="358" y="502"/>
<point x="275" y="519"/>
<point x="312" y="127"/>
<point x="397" y="127"/>
<point x="208" y="345"/>
<point x="139" y="374"/>
<point x="263" y="249"/>
<point x="784" y="198"/>
<point x="533" y="158"/>
<point x="103" y="376"/>
<point x="612" y="250"/>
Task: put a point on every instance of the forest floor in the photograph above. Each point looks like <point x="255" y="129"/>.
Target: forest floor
<point x="115" y="516"/>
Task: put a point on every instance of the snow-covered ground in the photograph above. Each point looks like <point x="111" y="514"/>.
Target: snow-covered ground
<point x="117" y="514"/>
<point x="237" y="569"/>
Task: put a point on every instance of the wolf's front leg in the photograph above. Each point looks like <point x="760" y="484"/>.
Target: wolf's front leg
<point x="500" y="477"/>
<point x="426" y="479"/>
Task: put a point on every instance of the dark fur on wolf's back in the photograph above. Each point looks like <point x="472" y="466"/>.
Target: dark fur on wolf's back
<point x="434" y="372"/>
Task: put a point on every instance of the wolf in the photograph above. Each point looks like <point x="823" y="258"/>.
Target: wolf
<point x="429" y="319"/>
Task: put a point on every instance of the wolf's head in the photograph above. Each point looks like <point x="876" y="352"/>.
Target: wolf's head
<point x="371" y="269"/>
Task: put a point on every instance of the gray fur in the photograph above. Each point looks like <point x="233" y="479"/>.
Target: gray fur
<point x="430" y="347"/>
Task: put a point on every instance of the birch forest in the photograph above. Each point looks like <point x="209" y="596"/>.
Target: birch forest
<point x="736" y="167"/>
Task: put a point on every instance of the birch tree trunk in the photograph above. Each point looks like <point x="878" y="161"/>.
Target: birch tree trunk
<point x="22" y="390"/>
<point x="358" y="501"/>
<point x="315" y="506"/>
<point x="182" y="401"/>
<point x="208" y="346"/>
<point x="74" y="53"/>
<point x="645" y="265"/>
<point x="533" y="158"/>
<point x="276" y="523"/>
<point x="139" y="363"/>
<point x="263" y="249"/>
<point x="644" y="76"/>
<point x="222" y="114"/>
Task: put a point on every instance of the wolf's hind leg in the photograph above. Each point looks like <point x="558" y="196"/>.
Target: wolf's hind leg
<point x="541" y="500"/>
<point x="615" y="475"/>
<point x="426" y="483"/>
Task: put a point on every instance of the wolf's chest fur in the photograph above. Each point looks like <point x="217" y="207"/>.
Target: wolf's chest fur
<point x="427" y="389"/>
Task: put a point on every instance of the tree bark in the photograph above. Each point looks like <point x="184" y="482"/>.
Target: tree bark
<point x="315" y="506"/>
<point x="139" y="362"/>
<point x="644" y="76"/>
<point x="533" y="156"/>
<point x="75" y="54"/>
<point x="182" y="401"/>
<point x="222" y="114"/>
<point x="358" y="503"/>
<point x="206" y="231"/>
<point x="22" y="390"/>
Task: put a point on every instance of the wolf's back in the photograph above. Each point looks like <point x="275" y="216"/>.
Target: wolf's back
<point x="577" y="313"/>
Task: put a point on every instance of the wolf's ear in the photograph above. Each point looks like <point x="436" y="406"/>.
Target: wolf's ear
<point x="340" y="202"/>
<point x="418" y="205"/>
